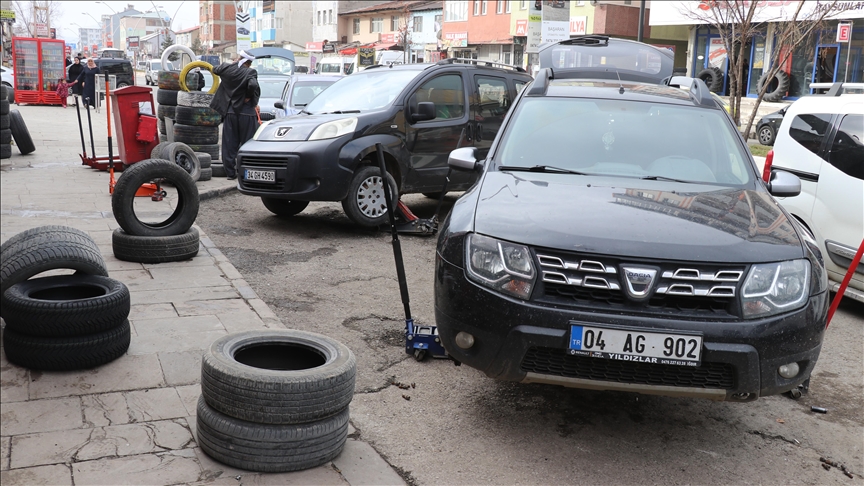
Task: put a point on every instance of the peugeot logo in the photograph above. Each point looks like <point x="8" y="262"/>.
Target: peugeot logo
<point x="282" y="131"/>
<point x="639" y="281"/>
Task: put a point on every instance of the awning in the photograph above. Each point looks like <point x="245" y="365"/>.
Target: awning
<point x="384" y="46"/>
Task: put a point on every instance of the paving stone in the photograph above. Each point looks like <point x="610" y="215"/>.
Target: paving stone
<point x="40" y="416"/>
<point x="58" y="475"/>
<point x="211" y="307"/>
<point x="135" y="470"/>
<point x="202" y="259"/>
<point x="176" y="341"/>
<point x="154" y="404"/>
<point x="188" y="276"/>
<point x="244" y="289"/>
<point x="221" y="474"/>
<point x="189" y="396"/>
<point x="242" y="321"/>
<point x="128" y="372"/>
<point x="181" y="368"/>
<point x="4" y="453"/>
<point x="262" y="309"/>
<point x="360" y="464"/>
<point x="115" y="265"/>
<point x="136" y="279"/>
<point x="230" y="271"/>
<point x="14" y="382"/>
<point x="183" y="295"/>
<point x="48" y="447"/>
<point x="104" y="409"/>
<point x="152" y="311"/>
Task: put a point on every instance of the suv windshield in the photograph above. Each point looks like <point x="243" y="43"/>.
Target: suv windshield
<point x="624" y="138"/>
<point x="369" y="90"/>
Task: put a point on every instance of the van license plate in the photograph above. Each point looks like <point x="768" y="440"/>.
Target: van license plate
<point x="259" y="175"/>
<point x="638" y="346"/>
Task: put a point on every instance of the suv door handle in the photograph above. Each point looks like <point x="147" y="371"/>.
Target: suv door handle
<point x="478" y="131"/>
<point x="468" y="132"/>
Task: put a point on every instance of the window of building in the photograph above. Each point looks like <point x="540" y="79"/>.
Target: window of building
<point x="394" y="23"/>
<point x="499" y="6"/>
<point x="580" y="3"/>
<point x="507" y="6"/>
<point x="356" y="23"/>
<point x="476" y="7"/>
<point x="810" y="130"/>
<point x="484" y="6"/>
<point x="523" y="5"/>
<point x="438" y="20"/>
<point x="279" y="23"/>
<point x="456" y="10"/>
<point x="847" y="151"/>
<point x="319" y="17"/>
<point x="418" y="24"/>
<point x="377" y="24"/>
<point x="260" y="25"/>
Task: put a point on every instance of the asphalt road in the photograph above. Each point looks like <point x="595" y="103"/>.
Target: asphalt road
<point x="453" y="425"/>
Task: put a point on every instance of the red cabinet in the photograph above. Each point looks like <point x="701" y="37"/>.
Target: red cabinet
<point x="39" y="64"/>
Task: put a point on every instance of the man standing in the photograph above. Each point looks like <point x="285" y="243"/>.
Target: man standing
<point x="237" y="101"/>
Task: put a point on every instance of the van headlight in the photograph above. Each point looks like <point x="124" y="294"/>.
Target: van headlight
<point x="334" y="129"/>
<point x="260" y="130"/>
<point x="772" y="288"/>
<point x="500" y="265"/>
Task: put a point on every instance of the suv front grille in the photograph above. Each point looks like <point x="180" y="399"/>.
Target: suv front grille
<point x="556" y="362"/>
<point x="258" y="162"/>
<point x="696" y="290"/>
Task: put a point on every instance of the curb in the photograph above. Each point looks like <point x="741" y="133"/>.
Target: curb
<point x="213" y="193"/>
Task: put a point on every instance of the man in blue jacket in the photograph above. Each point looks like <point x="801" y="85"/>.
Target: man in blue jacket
<point x="237" y="101"/>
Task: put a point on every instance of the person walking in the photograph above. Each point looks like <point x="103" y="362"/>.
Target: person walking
<point x="88" y="80"/>
<point x="75" y="71"/>
<point x="237" y="101"/>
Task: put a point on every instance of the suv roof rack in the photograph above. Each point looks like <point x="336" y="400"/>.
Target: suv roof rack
<point x="695" y="86"/>
<point x="838" y="88"/>
<point x="463" y="60"/>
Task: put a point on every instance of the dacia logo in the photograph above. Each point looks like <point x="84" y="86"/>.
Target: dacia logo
<point x="638" y="281"/>
<point x="282" y="131"/>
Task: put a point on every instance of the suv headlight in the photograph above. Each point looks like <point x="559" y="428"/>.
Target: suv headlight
<point x="773" y="288"/>
<point x="499" y="265"/>
<point x="334" y="129"/>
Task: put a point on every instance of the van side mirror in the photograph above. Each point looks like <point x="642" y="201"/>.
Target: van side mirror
<point x="464" y="159"/>
<point x="425" y="111"/>
<point x="784" y="184"/>
<point x="279" y="105"/>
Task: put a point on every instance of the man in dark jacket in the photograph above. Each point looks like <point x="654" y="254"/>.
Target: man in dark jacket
<point x="237" y="101"/>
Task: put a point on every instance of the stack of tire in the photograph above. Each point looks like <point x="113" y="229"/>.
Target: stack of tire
<point x="5" y="131"/>
<point x="275" y="401"/>
<point x="166" y="98"/>
<point x="171" y="240"/>
<point x="61" y="322"/>
<point x="197" y="165"/>
<point x="197" y="125"/>
<point x="12" y="126"/>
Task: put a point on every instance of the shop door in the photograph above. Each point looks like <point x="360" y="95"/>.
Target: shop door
<point x="825" y="64"/>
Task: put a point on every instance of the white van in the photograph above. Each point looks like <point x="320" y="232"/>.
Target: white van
<point x="335" y="66"/>
<point x="386" y="58"/>
<point x="151" y="71"/>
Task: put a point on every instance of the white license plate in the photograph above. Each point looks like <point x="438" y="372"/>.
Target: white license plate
<point x="259" y="175"/>
<point x="638" y="346"/>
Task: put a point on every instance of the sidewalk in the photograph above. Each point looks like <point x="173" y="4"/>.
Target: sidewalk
<point x="131" y="421"/>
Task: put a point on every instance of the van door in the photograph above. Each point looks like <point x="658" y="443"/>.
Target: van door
<point x="430" y="142"/>
<point x="491" y="100"/>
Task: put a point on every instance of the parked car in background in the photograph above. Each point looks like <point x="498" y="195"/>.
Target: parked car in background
<point x="273" y="60"/>
<point x="122" y="68"/>
<point x="766" y="130"/>
<point x="300" y="91"/>
<point x="272" y="87"/>
<point x="151" y="71"/>
<point x="335" y="66"/>
<point x="821" y="140"/>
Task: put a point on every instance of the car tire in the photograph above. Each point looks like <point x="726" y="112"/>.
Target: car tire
<point x="155" y="249"/>
<point x="5" y="122"/>
<point x="278" y="377"/>
<point x="158" y="151"/>
<point x="777" y="91"/>
<point x="65" y="305"/>
<point x="122" y="85"/>
<point x="284" y="207"/>
<point x="766" y="135"/>
<point x="20" y="133"/>
<point x="204" y="159"/>
<point x="166" y="111"/>
<point x="365" y="204"/>
<point x="5" y="136"/>
<point x="169" y="80"/>
<point x="215" y="150"/>
<point x="39" y="234"/>
<point x="713" y="78"/>
<point x="218" y="170"/>
<point x="66" y="353"/>
<point x="197" y="116"/>
<point x="166" y="97"/>
<point x="206" y="175"/>
<point x="182" y="155"/>
<point x="4" y="106"/>
<point x="193" y="135"/>
<point x="122" y="201"/>
<point x="50" y="251"/>
<point x="433" y="195"/>
<point x="194" y="99"/>
<point x="266" y="447"/>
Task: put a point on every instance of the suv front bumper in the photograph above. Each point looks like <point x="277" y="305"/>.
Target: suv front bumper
<point x="522" y="341"/>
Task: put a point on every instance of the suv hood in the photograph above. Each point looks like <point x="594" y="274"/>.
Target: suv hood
<point x="645" y="219"/>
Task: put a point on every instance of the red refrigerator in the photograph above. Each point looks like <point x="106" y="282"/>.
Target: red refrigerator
<point x="39" y="64"/>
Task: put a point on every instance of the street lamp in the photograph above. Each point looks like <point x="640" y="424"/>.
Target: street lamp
<point x="114" y="32"/>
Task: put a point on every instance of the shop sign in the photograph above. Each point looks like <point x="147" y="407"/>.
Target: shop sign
<point x="328" y="47"/>
<point x="535" y="33"/>
<point x="366" y="56"/>
<point x="388" y="38"/>
<point x="717" y="53"/>
<point x="132" y="42"/>
<point x="456" y="39"/>
<point x="844" y="32"/>
<point x="314" y="46"/>
<point x="41" y="29"/>
<point x="579" y="25"/>
<point x="522" y="28"/>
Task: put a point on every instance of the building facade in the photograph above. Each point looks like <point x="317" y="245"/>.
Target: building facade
<point x="141" y="25"/>
<point x="424" y="44"/>
<point x="111" y="26"/>
<point x="478" y="29"/>
<point x="218" y="22"/>
<point x="188" y="37"/>
<point x="89" y="37"/>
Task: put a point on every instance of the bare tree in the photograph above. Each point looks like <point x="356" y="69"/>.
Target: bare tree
<point x="735" y="22"/>
<point x="26" y="17"/>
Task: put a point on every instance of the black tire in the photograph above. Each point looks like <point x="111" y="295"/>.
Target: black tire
<point x="193" y="135"/>
<point x="167" y="97"/>
<point x="218" y="170"/>
<point x="4" y="91"/>
<point x="66" y="353"/>
<point x="778" y="86"/>
<point x="713" y="78"/>
<point x="433" y="195"/>
<point x="51" y="232"/>
<point x="49" y="251"/>
<point x="204" y="159"/>
<point x="5" y="136"/>
<point x="267" y="447"/>
<point x="206" y="175"/>
<point x="4" y="105"/>
<point x="162" y="128"/>
<point x="155" y="249"/>
<point x="166" y="111"/>
<point x="365" y="204"/>
<point x="5" y="122"/>
<point x="766" y="135"/>
<point x="196" y="116"/>
<point x="195" y="99"/>
<point x="20" y="133"/>
<point x="5" y="151"/>
<point x="182" y="155"/>
<point x="65" y="305"/>
<point x="278" y="377"/>
<point x="169" y="80"/>
<point x="122" y="200"/>
<point x="283" y="207"/>
<point x="158" y="151"/>
<point x="215" y="150"/>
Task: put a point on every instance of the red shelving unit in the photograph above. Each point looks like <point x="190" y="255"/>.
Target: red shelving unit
<point x="39" y="63"/>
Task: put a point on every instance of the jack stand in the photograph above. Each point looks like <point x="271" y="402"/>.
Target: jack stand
<point x="409" y="223"/>
<point x="420" y="340"/>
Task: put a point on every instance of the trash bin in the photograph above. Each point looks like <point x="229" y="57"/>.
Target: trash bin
<point x="134" y="122"/>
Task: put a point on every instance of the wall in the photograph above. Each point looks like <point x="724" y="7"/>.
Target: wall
<point x="296" y="23"/>
<point x="427" y="36"/>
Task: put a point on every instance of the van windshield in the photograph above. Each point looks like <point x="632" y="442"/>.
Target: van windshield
<point x="365" y="91"/>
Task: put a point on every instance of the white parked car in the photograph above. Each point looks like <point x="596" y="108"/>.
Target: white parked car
<point x="821" y="140"/>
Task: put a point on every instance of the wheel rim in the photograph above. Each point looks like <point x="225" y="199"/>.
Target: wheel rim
<point x="370" y="197"/>
<point x="185" y="162"/>
<point x="765" y="135"/>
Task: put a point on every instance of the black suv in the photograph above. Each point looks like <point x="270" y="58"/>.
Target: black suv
<point x="418" y="112"/>
<point x="122" y="68"/>
<point x="620" y="238"/>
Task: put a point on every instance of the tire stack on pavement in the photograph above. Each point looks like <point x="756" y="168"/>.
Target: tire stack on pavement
<point x="5" y="131"/>
<point x="168" y="241"/>
<point x="182" y="155"/>
<point x="166" y="98"/>
<point x="61" y="322"/>
<point x="197" y="125"/>
<point x="275" y="401"/>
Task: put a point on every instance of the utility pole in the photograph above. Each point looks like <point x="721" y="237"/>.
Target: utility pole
<point x="640" y="35"/>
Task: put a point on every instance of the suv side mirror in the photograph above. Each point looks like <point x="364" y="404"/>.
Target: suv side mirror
<point x="464" y="159"/>
<point x="784" y="184"/>
<point x="425" y="111"/>
<point x="279" y="105"/>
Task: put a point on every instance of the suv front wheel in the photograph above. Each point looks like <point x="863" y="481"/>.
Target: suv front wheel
<point x="366" y="204"/>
